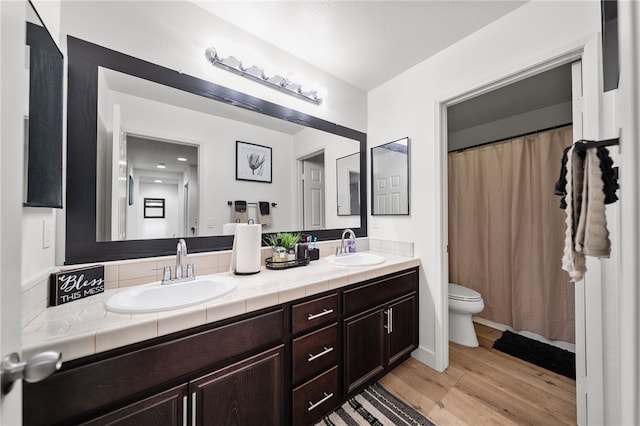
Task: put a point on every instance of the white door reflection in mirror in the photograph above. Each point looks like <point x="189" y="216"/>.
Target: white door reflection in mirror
<point x="348" y="184"/>
<point x="390" y="178"/>
<point x="313" y="192"/>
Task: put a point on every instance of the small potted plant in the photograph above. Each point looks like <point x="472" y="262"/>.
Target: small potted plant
<point x="289" y="241"/>
<point x="283" y="245"/>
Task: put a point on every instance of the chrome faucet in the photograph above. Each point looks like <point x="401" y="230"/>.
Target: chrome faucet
<point x="345" y="250"/>
<point x="181" y="253"/>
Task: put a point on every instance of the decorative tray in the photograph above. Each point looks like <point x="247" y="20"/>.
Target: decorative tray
<point x="270" y="264"/>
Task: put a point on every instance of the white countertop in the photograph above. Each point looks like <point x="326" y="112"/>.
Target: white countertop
<point x="84" y="327"/>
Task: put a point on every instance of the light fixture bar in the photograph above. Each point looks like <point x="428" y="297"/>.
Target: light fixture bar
<point x="256" y="73"/>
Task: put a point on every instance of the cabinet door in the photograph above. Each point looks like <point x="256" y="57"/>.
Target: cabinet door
<point x="166" y="408"/>
<point x="249" y="392"/>
<point x="402" y="330"/>
<point x="364" y="348"/>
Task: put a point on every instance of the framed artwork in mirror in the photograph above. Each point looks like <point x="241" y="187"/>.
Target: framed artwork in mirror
<point x="253" y="162"/>
<point x="390" y="178"/>
<point x="154" y="208"/>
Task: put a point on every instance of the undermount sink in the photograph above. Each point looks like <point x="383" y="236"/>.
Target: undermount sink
<point x="156" y="297"/>
<point x="356" y="259"/>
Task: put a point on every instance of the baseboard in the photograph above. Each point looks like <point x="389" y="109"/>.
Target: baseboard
<point x="425" y="356"/>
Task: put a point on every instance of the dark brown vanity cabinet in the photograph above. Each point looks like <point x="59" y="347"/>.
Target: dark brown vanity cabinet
<point x="380" y="327"/>
<point x="247" y="393"/>
<point x="315" y="354"/>
<point x="167" y="408"/>
<point x="231" y="371"/>
<point x="235" y="395"/>
<point x="286" y="365"/>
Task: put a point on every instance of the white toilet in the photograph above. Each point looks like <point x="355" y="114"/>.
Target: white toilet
<point x="463" y="302"/>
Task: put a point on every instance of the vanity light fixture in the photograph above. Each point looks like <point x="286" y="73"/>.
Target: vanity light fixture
<point x="181" y="159"/>
<point x="275" y="81"/>
<point x="161" y="166"/>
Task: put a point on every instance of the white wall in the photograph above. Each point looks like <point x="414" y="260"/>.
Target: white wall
<point x="532" y="121"/>
<point x="41" y="260"/>
<point x="406" y="106"/>
<point x="628" y="360"/>
<point x="176" y="34"/>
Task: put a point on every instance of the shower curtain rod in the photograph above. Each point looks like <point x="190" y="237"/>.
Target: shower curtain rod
<point x="511" y="137"/>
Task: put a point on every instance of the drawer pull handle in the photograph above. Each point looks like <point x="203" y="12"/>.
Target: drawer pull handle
<point x="389" y="326"/>
<point x="193" y="409"/>
<point x="321" y="314"/>
<point x="323" y="353"/>
<point x="326" y="397"/>
<point x="184" y="410"/>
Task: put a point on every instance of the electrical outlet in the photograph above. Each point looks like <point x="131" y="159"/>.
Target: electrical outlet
<point x="46" y="233"/>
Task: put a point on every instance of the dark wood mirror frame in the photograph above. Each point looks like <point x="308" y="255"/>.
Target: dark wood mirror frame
<point x="84" y="58"/>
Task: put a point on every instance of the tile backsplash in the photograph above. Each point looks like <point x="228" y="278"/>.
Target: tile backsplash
<point x="126" y="273"/>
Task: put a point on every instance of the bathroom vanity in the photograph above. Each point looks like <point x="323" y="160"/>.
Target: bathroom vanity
<point x="288" y="363"/>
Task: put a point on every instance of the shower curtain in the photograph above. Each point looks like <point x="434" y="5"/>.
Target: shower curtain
<point x="506" y="232"/>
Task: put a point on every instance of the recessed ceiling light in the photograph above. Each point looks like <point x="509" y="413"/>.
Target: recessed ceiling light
<point x="161" y="166"/>
<point x="157" y="181"/>
<point x="181" y="159"/>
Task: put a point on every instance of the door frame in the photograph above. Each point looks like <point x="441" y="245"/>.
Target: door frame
<point x="628" y="314"/>
<point x="590" y="407"/>
<point x="300" y="184"/>
<point x="12" y="28"/>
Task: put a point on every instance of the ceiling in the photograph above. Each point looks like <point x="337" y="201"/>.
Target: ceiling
<point x="364" y="43"/>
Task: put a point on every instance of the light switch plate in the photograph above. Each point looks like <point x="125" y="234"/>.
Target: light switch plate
<point x="46" y="233"/>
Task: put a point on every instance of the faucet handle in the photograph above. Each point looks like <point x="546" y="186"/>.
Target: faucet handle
<point x="191" y="272"/>
<point x="166" y="272"/>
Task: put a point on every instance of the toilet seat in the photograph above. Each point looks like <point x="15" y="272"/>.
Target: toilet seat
<point x="458" y="292"/>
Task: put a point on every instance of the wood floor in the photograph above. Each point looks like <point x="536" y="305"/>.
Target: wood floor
<point x="483" y="386"/>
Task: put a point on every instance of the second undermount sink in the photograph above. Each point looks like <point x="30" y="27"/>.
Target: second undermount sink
<point x="156" y="297"/>
<point x="356" y="259"/>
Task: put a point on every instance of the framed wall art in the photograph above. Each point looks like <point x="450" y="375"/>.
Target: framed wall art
<point x="253" y="162"/>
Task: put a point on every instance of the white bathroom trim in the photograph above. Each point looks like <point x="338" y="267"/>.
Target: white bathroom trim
<point x="584" y="49"/>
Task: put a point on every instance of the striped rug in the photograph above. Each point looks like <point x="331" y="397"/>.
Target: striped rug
<point x="374" y="406"/>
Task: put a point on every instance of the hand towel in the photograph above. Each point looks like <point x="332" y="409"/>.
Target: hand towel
<point x="572" y="261"/>
<point x="593" y="235"/>
<point x="240" y="213"/>
<point x="264" y="213"/>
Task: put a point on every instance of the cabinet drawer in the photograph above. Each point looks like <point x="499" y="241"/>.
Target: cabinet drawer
<point x="315" y="398"/>
<point x="314" y="352"/>
<point x="379" y="292"/>
<point x="314" y="313"/>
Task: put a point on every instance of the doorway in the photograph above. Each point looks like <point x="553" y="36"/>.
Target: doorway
<point x="585" y="89"/>
<point x="504" y="218"/>
<point x="313" y="191"/>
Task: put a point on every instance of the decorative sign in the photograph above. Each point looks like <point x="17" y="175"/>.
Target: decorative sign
<point x="67" y="286"/>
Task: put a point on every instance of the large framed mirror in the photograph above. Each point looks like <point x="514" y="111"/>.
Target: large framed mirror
<point x="127" y="116"/>
<point x="390" y="178"/>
